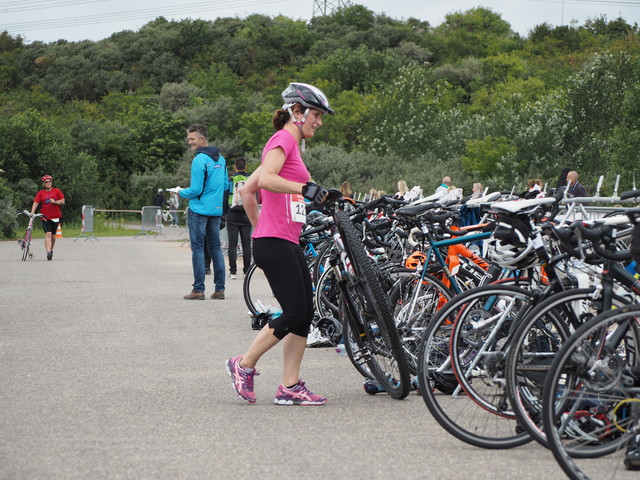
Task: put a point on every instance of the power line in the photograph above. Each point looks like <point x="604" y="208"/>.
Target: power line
<point x="41" y="5"/>
<point x="130" y="15"/>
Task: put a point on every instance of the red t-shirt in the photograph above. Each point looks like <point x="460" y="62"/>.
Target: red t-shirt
<point x="49" y="210"/>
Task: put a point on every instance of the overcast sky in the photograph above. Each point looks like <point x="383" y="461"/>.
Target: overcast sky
<point x="75" y="20"/>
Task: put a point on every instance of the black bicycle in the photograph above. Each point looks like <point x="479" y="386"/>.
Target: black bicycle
<point x="371" y="339"/>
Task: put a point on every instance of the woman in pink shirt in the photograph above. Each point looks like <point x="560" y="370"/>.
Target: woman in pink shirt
<point x="283" y="181"/>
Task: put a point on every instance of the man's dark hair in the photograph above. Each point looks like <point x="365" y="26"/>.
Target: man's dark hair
<point x="241" y="163"/>
<point x="201" y="130"/>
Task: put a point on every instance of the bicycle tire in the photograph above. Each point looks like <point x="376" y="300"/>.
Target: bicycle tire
<point x="385" y="356"/>
<point x="320" y="262"/>
<point x="411" y="322"/>
<point x="327" y="294"/>
<point x="26" y="244"/>
<point x="537" y="338"/>
<point x="255" y="294"/>
<point x="476" y="414"/>
<point x="351" y="346"/>
<point x="589" y="449"/>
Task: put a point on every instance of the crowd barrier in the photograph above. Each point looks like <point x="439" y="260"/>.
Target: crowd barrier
<point x="87" y="224"/>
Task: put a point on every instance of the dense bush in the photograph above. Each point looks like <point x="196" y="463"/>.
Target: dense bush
<point x="468" y="98"/>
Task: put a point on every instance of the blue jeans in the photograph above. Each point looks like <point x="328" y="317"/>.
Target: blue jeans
<point x="199" y="226"/>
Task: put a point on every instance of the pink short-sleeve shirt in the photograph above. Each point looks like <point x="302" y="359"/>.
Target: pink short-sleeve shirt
<point x="276" y="218"/>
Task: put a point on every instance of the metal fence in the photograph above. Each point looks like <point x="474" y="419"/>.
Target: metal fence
<point x="87" y="224"/>
<point x="151" y="221"/>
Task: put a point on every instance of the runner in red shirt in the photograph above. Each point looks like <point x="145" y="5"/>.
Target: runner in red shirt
<point x="50" y="200"/>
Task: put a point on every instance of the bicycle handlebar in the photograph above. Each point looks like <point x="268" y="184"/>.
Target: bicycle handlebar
<point x="31" y="215"/>
<point x="630" y="194"/>
<point x="595" y="234"/>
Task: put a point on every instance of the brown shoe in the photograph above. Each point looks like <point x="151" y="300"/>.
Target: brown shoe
<point x="217" y="295"/>
<point x="194" y="296"/>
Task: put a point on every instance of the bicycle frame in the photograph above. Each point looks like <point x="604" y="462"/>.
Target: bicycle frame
<point x="451" y="264"/>
<point x="25" y="243"/>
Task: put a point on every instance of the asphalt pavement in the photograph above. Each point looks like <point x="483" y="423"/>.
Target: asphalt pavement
<point x="107" y="373"/>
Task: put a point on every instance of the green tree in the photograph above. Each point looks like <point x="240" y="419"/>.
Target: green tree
<point x="477" y="32"/>
<point x="255" y="130"/>
<point x="489" y="156"/>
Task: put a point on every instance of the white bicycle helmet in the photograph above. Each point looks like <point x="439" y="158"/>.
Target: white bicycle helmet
<point x="306" y="95"/>
<point x="510" y="244"/>
<point x="309" y="97"/>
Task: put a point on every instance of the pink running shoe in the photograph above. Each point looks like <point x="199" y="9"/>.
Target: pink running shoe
<point x="242" y="379"/>
<point x="298" y="395"/>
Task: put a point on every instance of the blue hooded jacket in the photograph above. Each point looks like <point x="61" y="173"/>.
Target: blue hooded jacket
<point x="209" y="182"/>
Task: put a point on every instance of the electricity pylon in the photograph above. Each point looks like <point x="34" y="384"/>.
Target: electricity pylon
<point x="327" y="7"/>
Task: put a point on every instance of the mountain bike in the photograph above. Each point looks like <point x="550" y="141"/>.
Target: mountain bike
<point x="25" y="241"/>
<point x="371" y="339"/>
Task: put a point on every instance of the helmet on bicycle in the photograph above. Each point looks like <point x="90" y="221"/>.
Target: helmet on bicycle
<point x="414" y="260"/>
<point x="46" y="177"/>
<point x="510" y="244"/>
<point x="587" y="427"/>
<point x="306" y="95"/>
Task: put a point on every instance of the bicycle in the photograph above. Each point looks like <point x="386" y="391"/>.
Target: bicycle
<point x="25" y="241"/>
<point x="592" y="394"/>
<point x="370" y="336"/>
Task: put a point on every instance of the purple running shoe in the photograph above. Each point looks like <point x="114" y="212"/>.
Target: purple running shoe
<point x="242" y="379"/>
<point x="298" y="395"/>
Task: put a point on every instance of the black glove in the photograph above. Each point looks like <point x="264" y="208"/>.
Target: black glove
<point x="314" y="193"/>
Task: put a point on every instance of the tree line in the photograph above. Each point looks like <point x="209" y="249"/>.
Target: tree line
<point x="468" y="98"/>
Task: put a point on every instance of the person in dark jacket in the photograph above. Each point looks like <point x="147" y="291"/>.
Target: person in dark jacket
<point x="160" y="200"/>
<point x="238" y="223"/>
<point x="576" y="189"/>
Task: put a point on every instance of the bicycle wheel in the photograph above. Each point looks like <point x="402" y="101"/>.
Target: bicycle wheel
<point x="356" y="354"/>
<point x="257" y="293"/>
<point x="533" y="345"/>
<point x="327" y="294"/>
<point x="321" y="261"/>
<point x="370" y="312"/>
<point x="26" y="244"/>
<point x="415" y="302"/>
<point x="460" y="362"/>
<point x="591" y="397"/>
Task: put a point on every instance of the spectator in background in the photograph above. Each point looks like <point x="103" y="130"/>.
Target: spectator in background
<point x="576" y="189"/>
<point x="346" y="191"/>
<point x="174" y="203"/>
<point x="50" y="200"/>
<point x="160" y="200"/>
<point x="403" y="188"/>
<point x="237" y="220"/>
<point x="209" y="182"/>
<point x="371" y="195"/>
<point x="444" y="186"/>
<point x="534" y="190"/>
<point x="477" y="190"/>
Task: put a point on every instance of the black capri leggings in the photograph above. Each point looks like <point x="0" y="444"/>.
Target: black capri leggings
<point x="286" y="270"/>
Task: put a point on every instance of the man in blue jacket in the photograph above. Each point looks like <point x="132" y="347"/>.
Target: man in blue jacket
<point x="209" y="182"/>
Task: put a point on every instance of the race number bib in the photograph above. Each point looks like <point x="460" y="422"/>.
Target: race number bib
<point x="298" y="208"/>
